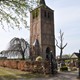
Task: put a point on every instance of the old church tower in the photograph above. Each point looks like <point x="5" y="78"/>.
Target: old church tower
<point x="42" y="33"/>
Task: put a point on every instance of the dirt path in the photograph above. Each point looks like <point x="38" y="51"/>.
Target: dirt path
<point x="61" y="76"/>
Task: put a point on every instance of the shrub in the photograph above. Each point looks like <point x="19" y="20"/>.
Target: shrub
<point x="64" y="68"/>
<point x="74" y="69"/>
<point x="39" y="58"/>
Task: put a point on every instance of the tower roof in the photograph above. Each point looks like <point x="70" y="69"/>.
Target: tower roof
<point x="42" y="2"/>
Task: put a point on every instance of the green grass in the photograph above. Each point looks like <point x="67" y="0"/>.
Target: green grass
<point x="9" y="74"/>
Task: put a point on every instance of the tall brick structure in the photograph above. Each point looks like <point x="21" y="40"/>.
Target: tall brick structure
<point x="42" y="33"/>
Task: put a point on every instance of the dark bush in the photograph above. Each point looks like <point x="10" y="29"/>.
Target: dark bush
<point x="64" y="68"/>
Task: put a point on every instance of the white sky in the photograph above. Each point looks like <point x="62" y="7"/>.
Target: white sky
<point x="67" y="18"/>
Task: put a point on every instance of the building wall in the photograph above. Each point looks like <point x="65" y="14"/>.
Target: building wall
<point x="42" y="28"/>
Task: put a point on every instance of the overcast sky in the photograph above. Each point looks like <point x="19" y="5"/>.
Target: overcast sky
<point x="67" y="18"/>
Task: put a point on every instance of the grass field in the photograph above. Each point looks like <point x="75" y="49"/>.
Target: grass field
<point x="13" y="74"/>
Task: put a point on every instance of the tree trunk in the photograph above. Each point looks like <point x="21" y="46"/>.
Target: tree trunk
<point x="61" y="51"/>
<point x="23" y="58"/>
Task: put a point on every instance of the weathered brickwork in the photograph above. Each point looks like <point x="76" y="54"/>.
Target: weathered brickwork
<point x="42" y="28"/>
<point x="30" y="66"/>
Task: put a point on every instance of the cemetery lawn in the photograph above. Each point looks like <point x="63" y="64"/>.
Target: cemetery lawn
<point x="13" y="74"/>
<point x="9" y="74"/>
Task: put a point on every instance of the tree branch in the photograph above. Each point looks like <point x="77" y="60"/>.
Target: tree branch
<point x="64" y="46"/>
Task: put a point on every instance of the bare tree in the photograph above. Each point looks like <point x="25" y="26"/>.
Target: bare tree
<point x="61" y="46"/>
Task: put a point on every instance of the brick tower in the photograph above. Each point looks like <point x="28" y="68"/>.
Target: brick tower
<point x="42" y="32"/>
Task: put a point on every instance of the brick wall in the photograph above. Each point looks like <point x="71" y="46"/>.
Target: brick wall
<point x="30" y="66"/>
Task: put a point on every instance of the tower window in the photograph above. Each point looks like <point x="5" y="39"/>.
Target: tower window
<point x="48" y="15"/>
<point x="45" y="14"/>
<point x="35" y="13"/>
